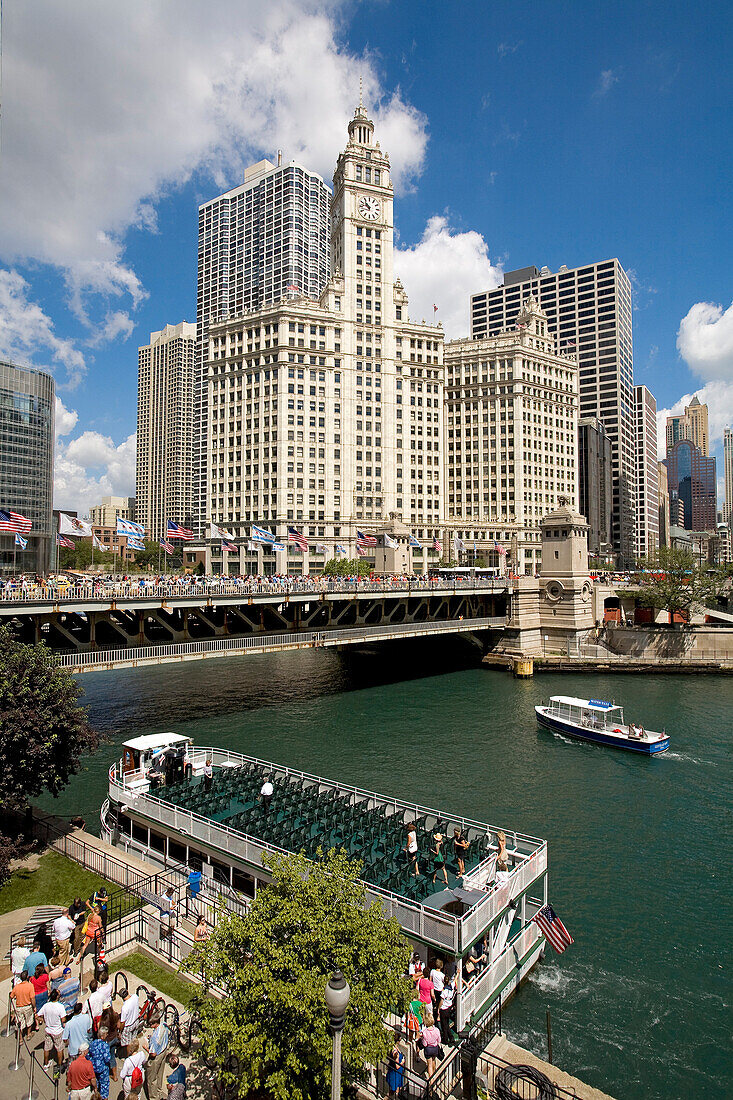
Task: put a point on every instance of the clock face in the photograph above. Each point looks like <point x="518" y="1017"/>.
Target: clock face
<point x="369" y="207"/>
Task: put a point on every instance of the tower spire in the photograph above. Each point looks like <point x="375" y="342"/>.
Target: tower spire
<point x="361" y="92"/>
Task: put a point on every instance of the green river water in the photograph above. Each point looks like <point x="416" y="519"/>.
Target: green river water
<point x="639" y="849"/>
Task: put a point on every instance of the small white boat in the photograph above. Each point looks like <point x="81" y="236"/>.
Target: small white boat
<point x="600" y="722"/>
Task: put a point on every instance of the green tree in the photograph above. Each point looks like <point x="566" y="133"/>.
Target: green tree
<point x="674" y="582"/>
<point x="274" y="964"/>
<point x="81" y="556"/>
<point x="44" y="731"/>
<point x="347" y="567"/>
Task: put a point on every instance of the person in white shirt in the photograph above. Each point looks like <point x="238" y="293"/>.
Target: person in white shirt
<point x="17" y="958"/>
<point x="97" y="997"/>
<point x="136" y="1058"/>
<point x="447" y="998"/>
<point x="53" y="1014"/>
<point x="129" y="1018"/>
<point x="502" y="872"/>
<point x="437" y="977"/>
<point x="266" y="794"/>
<point x="63" y="928"/>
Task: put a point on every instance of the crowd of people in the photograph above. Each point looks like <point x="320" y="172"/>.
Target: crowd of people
<point x="28" y="588"/>
<point x="83" y="1033"/>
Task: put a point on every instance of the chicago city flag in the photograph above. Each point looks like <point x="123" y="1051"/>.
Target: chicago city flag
<point x="261" y="534"/>
<point x="127" y="527"/>
<point x="20" y="541"/>
<point x="413" y="542"/>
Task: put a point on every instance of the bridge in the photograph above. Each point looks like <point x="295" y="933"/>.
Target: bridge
<point x="112" y="626"/>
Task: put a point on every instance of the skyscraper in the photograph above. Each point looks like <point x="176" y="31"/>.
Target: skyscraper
<point x="165" y="428"/>
<point x="589" y="310"/>
<point x="27" y="411"/>
<point x="595" y="483"/>
<point x="691" y="476"/>
<point x="328" y="415"/>
<point x="692" y="424"/>
<point x="264" y="241"/>
<point x="511" y="438"/>
<point x="647" y="473"/>
<point x="728" y="475"/>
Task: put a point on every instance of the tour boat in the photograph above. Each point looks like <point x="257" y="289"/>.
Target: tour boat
<point x="600" y="722"/>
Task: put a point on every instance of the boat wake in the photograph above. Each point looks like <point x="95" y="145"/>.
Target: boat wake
<point x="669" y="755"/>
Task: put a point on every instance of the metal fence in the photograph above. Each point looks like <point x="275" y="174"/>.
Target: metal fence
<point x="279" y="587"/>
<point x="261" y="643"/>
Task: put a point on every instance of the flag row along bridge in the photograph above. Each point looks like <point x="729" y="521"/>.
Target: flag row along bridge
<point x="115" y="625"/>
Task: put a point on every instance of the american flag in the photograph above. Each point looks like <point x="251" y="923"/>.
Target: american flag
<point x="62" y="541"/>
<point x="295" y="536"/>
<point x="552" y="928"/>
<point x="167" y="546"/>
<point x="365" y="540"/>
<point x="229" y="547"/>
<point x="437" y="545"/>
<point x="499" y="549"/>
<point x="175" y="531"/>
<point x="361" y="551"/>
<point x="13" y="521"/>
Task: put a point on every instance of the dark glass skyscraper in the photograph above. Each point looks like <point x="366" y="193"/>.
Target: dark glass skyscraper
<point x="27" y="407"/>
<point x="691" y="475"/>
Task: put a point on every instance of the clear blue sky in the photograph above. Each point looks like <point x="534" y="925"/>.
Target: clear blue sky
<point x="558" y="132"/>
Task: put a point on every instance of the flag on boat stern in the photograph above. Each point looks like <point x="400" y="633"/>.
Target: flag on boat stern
<point x="552" y="928"/>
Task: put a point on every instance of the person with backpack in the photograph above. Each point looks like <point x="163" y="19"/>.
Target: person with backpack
<point x="132" y="1069"/>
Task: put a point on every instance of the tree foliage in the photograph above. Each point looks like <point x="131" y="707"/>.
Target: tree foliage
<point x="347" y="567"/>
<point x="43" y="730"/>
<point x="674" y="581"/>
<point x="274" y="964"/>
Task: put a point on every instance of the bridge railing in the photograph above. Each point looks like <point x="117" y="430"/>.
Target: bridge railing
<point x="263" y="642"/>
<point x="281" y="587"/>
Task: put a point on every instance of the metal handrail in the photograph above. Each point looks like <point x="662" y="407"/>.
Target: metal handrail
<point x="263" y="642"/>
<point x="281" y="587"/>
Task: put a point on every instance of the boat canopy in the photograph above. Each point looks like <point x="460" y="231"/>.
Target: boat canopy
<point x="585" y="704"/>
<point x="156" y="741"/>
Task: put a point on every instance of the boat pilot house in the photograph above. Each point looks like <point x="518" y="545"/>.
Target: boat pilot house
<point x="165" y="800"/>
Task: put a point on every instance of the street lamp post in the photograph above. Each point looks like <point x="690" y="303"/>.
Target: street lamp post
<point x="337" y="999"/>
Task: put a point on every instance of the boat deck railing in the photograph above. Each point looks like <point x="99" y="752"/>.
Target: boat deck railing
<point x="452" y="933"/>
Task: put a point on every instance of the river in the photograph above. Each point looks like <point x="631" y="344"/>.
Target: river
<point x="639" y="849"/>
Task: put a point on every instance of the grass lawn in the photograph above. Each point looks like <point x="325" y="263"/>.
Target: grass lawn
<point x="154" y="976"/>
<point x="56" y="881"/>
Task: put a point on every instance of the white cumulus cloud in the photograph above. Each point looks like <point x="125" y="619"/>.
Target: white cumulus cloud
<point x="26" y="331"/>
<point x="108" y="107"/>
<point x="90" y="466"/>
<point x="444" y="268"/>
<point x="705" y="340"/>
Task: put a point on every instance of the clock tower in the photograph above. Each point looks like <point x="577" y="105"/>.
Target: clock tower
<point x="362" y="233"/>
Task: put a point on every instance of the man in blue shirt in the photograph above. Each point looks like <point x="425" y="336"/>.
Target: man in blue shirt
<point x="177" y="1079"/>
<point x="36" y="956"/>
<point x="78" y="1030"/>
